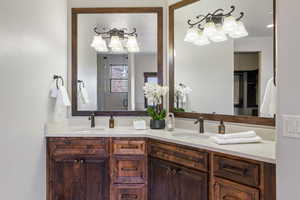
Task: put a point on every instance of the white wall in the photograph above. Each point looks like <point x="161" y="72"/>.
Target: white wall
<point x="288" y="162"/>
<point x="33" y="48"/>
<point x="265" y="46"/>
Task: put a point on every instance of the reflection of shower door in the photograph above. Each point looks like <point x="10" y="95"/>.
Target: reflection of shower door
<point x="112" y="82"/>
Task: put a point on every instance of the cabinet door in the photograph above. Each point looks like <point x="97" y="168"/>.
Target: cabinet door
<point x="169" y="181"/>
<point x="227" y="190"/>
<point x="94" y="179"/>
<point x="66" y="180"/>
<point x="190" y="184"/>
<point x="160" y="184"/>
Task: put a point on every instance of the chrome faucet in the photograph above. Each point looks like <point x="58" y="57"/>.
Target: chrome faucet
<point x="92" y="119"/>
<point x="200" y="120"/>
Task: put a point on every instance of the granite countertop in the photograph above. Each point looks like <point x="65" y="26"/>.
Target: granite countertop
<point x="264" y="151"/>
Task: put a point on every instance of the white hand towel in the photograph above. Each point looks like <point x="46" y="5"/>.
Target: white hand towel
<point x="268" y="107"/>
<point x="247" y="134"/>
<point x="84" y="95"/>
<point x="54" y="90"/>
<point x="237" y="140"/>
<point x="63" y="94"/>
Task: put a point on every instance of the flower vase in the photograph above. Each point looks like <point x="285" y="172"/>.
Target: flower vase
<point x="157" y="124"/>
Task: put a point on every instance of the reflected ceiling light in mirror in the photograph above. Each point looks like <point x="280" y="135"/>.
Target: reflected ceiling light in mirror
<point x="270" y="26"/>
<point x="119" y="40"/>
<point x="215" y="26"/>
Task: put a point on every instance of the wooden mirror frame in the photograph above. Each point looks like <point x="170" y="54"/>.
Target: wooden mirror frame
<point x="213" y="117"/>
<point x="75" y="11"/>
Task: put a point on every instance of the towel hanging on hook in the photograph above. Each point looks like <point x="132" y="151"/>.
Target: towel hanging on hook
<point x="60" y="91"/>
<point x="82" y="93"/>
<point x="57" y="78"/>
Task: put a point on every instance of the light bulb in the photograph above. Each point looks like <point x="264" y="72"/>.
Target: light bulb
<point x="240" y="31"/>
<point x="219" y="35"/>
<point x="229" y="24"/>
<point x="116" y="44"/>
<point x="191" y="35"/>
<point x="99" y="44"/>
<point x="132" y="44"/>
<point x="209" y="29"/>
<point x="201" y="39"/>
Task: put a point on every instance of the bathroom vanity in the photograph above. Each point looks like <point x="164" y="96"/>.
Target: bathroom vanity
<point x="156" y="165"/>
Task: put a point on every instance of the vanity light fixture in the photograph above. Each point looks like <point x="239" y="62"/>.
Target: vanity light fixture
<point x="119" y="40"/>
<point x="215" y="27"/>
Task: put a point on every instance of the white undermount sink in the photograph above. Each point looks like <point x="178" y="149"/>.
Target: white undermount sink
<point x="192" y="135"/>
<point x="86" y="129"/>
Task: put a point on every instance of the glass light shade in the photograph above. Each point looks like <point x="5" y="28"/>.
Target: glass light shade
<point x="209" y="29"/>
<point x="133" y="49"/>
<point x="240" y="31"/>
<point x="116" y="44"/>
<point x="220" y="35"/>
<point x="99" y="44"/>
<point x="132" y="44"/>
<point x="191" y="35"/>
<point x="201" y="39"/>
<point x="229" y="24"/>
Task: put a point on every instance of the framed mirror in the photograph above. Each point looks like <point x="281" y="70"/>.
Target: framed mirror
<point x="114" y="52"/>
<point x="222" y="60"/>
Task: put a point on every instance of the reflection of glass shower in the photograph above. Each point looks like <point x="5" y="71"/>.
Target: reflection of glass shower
<point x="112" y="83"/>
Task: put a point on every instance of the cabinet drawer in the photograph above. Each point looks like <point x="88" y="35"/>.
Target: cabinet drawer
<point x="129" y="169"/>
<point x="128" y="192"/>
<point x="180" y="155"/>
<point x="236" y="170"/>
<point x="227" y="190"/>
<point x="128" y="147"/>
<point x="79" y="147"/>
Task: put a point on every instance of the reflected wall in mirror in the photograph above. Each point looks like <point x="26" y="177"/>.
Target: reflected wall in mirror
<point x="116" y="52"/>
<point x="223" y="58"/>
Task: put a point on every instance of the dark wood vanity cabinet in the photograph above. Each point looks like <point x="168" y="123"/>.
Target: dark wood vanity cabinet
<point x="141" y="169"/>
<point x="77" y="169"/>
<point x="228" y="190"/>
<point x="169" y="181"/>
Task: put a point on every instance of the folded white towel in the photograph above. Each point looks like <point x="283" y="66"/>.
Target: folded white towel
<point x="247" y="134"/>
<point x="237" y="140"/>
<point x="63" y="94"/>
<point x="84" y="95"/>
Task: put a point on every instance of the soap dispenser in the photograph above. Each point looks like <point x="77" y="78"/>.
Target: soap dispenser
<point x="111" y="122"/>
<point x="221" y="127"/>
<point x="170" y="122"/>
